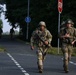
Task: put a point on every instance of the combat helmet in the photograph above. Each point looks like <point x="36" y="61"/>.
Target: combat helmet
<point x="42" y="23"/>
<point x="69" y="21"/>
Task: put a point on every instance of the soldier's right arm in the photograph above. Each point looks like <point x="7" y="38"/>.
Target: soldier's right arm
<point x="74" y="38"/>
<point x="75" y="34"/>
<point x="32" y="40"/>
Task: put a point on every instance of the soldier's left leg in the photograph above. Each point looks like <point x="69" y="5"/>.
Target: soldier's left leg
<point x="70" y="50"/>
<point x="44" y="53"/>
<point x="65" y="60"/>
<point x="40" y="61"/>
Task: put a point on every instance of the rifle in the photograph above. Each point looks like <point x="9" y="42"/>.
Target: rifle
<point x="43" y="41"/>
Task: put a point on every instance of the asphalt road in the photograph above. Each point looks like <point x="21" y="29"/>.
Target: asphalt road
<point x="20" y="60"/>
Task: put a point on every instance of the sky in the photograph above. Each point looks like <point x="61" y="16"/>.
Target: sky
<point x="6" y="26"/>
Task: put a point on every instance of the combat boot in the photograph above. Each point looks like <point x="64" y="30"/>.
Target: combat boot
<point x="40" y="69"/>
<point x="65" y="68"/>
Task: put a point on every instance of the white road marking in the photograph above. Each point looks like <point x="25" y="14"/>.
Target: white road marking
<point x="71" y="62"/>
<point x="17" y="64"/>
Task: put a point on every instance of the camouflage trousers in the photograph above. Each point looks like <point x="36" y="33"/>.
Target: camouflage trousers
<point x="41" y="53"/>
<point x="67" y="52"/>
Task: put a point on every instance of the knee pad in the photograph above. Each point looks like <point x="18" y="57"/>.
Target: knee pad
<point x="40" y="62"/>
<point x="40" y="56"/>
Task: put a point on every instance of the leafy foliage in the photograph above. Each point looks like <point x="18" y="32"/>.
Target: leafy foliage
<point x="2" y="1"/>
<point x="45" y="10"/>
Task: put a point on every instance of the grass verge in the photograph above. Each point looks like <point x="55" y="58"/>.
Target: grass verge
<point x="54" y="51"/>
<point x="2" y="49"/>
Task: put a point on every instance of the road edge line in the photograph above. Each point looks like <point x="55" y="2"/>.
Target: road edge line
<point x="17" y="64"/>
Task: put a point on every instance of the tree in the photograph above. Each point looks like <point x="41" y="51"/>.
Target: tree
<point x="45" y="10"/>
<point x="69" y="7"/>
<point x="2" y="1"/>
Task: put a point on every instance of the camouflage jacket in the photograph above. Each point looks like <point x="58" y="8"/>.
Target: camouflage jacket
<point x="45" y="35"/>
<point x="71" y="31"/>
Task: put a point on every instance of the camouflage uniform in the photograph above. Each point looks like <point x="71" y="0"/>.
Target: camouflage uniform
<point x="41" y="52"/>
<point x="66" y="45"/>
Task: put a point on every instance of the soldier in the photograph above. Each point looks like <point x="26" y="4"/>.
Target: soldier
<point x="42" y="38"/>
<point x="68" y="37"/>
<point x="12" y="33"/>
<point x="1" y="26"/>
<point x="1" y="31"/>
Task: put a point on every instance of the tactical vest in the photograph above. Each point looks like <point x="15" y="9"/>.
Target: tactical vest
<point x="71" y="32"/>
<point x="42" y="34"/>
